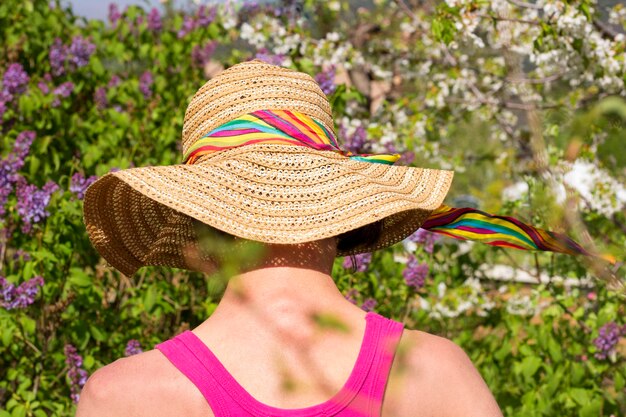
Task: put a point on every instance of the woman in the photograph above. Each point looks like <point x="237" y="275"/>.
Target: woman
<point x="263" y="169"/>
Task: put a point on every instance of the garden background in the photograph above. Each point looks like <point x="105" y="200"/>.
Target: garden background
<point x="524" y="100"/>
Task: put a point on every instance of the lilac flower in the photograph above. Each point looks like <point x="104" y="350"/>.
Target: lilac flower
<point x="79" y="184"/>
<point x="406" y="158"/>
<point x="12" y="164"/>
<point x="76" y="374"/>
<point x="19" y="297"/>
<point x="32" y="202"/>
<point x="200" y="55"/>
<point x="3" y="109"/>
<point x="425" y="237"/>
<point x="362" y="261"/>
<point x="21" y="253"/>
<point x="58" y="56"/>
<point x="249" y="8"/>
<point x="133" y="347"/>
<point x="264" y="55"/>
<point x="369" y="304"/>
<point x="607" y="339"/>
<point x="358" y="142"/>
<point x="154" y="20"/>
<point x="114" y="81"/>
<point x="63" y="90"/>
<point x="77" y="54"/>
<point x="15" y="79"/>
<point x="204" y="18"/>
<point x="100" y="97"/>
<point x="189" y="24"/>
<point x="81" y="50"/>
<point x="415" y="273"/>
<point x="114" y="14"/>
<point x="352" y="294"/>
<point x="145" y="84"/>
<point x="326" y="80"/>
<point x="43" y="87"/>
<point x="7" y="292"/>
<point x="27" y="291"/>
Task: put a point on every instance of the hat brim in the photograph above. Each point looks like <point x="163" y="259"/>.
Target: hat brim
<point x="265" y="192"/>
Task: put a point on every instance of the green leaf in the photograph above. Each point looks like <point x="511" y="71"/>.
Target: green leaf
<point x="150" y="298"/>
<point x="80" y="278"/>
<point x="530" y="365"/>
<point x="555" y="350"/>
<point x="19" y="411"/>
<point x="89" y="362"/>
<point x="28" y="324"/>
<point x="97" y="334"/>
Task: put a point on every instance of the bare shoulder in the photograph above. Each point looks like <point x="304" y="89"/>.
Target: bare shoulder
<point x="432" y="376"/>
<point x="141" y="385"/>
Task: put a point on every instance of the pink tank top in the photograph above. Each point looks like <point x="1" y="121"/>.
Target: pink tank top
<point x="361" y="395"/>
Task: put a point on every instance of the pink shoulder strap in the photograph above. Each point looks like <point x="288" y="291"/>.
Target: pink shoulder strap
<point x="361" y="395"/>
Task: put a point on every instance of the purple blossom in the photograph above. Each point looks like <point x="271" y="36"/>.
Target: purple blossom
<point x="264" y="55"/>
<point x="32" y="201"/>
<point x="12" y="164"/>
<point x="76" y="374"/>
<point x="43" y="87"/>
<point x="369" y="304"/>
<point x="406" y="158"/>
<point x="77" y="54"/>
<point x="114" y="14"/>
<point x="21" y="253"/>
<point x="358" y="142"/>
<point x="100" y="97"/>
<point x="608" y="337"/>
<point x="133" y="347"/>
<point x="63" y="90"/>
<point x="81" y="50"/>
<point x="326" y="80"/>
<point x="200" y="55"/>
<point x="154" y="20"/>
<point x="204" y="18"/>
<point x="145" y="84"/>
<point x="425" y="237"/>
<point x="114" y="81"/>
<point x="58" y="56"/>
<point x="79" y="184"/>
<point x="362" y="261"/>
<point x="415" y="273"/>
<point x="189" y="24"/>
<point x="249" y="8"/>
<point x="352" y="294"/>
<point x="21" y="296"/>
<point x="15" y="79"/>
<point x="3" y="109"/>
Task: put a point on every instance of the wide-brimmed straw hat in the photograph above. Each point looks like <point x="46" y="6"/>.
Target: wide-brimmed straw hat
<point x="261" y="161"/>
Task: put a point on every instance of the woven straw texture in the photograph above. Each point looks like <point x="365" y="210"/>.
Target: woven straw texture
<point x="264" y="192"/>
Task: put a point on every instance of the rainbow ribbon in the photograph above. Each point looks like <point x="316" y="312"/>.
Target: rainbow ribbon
<point x="295" y="128"/>
<point x="275" y="126"/>
<point x="504" y="231"/>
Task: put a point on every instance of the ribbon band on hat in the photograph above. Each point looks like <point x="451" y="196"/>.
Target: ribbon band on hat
<point x="275" y="126"/>
<point x="298" y="129"/>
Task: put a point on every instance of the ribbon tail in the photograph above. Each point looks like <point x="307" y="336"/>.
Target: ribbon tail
<point x="503" y="231"/>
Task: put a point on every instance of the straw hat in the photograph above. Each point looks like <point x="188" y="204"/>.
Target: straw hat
<point x="276" y="188"/>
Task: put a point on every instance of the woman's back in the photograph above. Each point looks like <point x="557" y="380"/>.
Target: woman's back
<point x="341" y="373"/>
